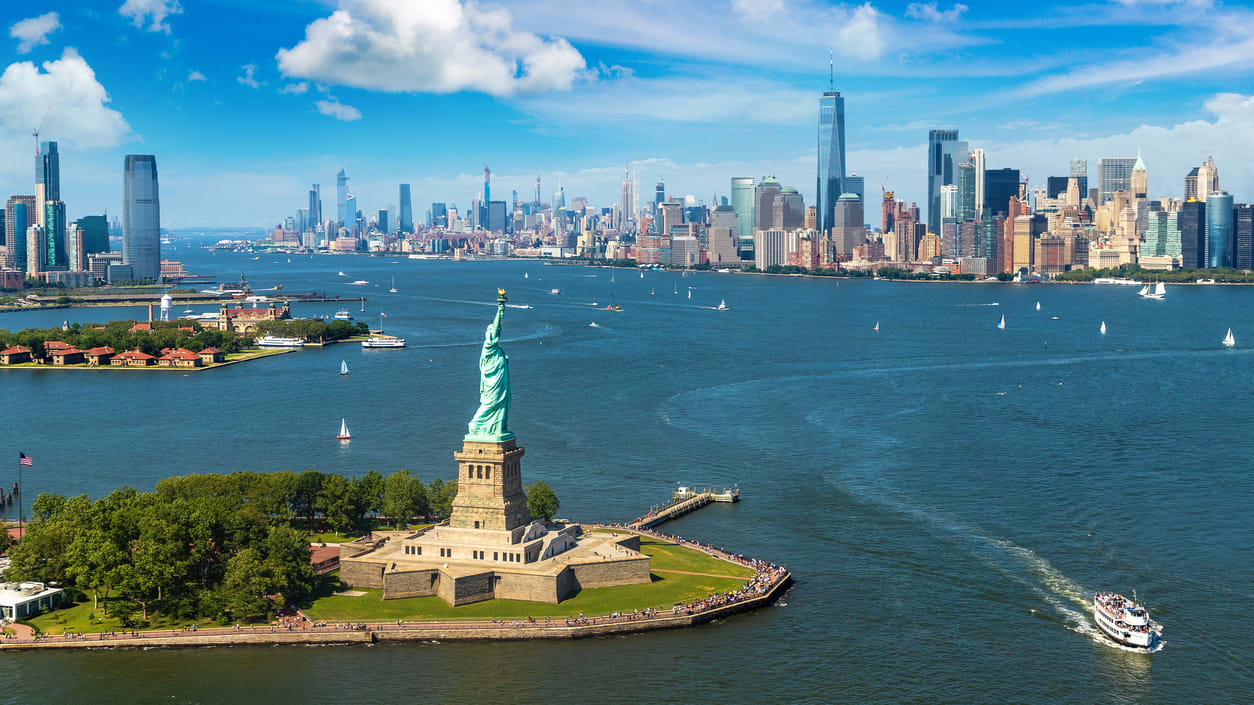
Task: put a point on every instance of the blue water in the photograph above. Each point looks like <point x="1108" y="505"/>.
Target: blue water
<point x="948" y="495"/>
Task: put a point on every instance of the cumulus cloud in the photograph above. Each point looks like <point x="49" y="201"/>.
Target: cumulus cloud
<point x="195" y="76"/>
<point x="34" y="31"/>
<point x="295" y="88"/>
<point x="862" y="37"/>
<point x="338" y="110"/>
<point x="432" y="46"/>
<point x="247" y="79"/>
<point x="154" y="12"/>
<point x="928" y="12"/>
<point x="64" y="97"/>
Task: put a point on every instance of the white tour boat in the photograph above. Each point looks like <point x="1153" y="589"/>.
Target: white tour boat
<point x="343" y="315"/>
<point x="381" y="340"/>
<point x="275" y="341"/>
<point x="1125" y="621"/>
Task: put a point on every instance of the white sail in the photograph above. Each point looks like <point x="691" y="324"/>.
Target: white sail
<point x="690" y="293"/>
<point x="1103" y="329"/>
<point x="1229" y="340"/>
<point x="1038" y="305"/>
<point x="343" y="429"/>
<point x="1001" y="325"/>
<point x="877" y="327"/>
<point x="1159" y="289"/>
<point x="1144" y="290"/>
<point x="343" y="367"/>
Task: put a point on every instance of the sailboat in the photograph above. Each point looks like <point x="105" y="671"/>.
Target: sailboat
<point x="1144" y="290"/>
<point x="526" y="275"/>
<point x="343" y="367"/>
<point x="690" y="293"/>
<point x="722" y="305"/>
<point x="393" y="289"/>
<point x="1001" y="325"/>
<point x="677" y="288"/>
<point x="1229" y="341"/>
<point x="642" y="275"/>
<point x="876" y="329"/>
<point x="1160" y="291"/>
<point x="652" y="292"/>
<point x="613" y="304"/>
<point x="1103" y="328"/>
<point x="344" y="436"/>
<point x="611" y="276"/>
<point x="1038" y="305"/>
<point x="363" y="304"/>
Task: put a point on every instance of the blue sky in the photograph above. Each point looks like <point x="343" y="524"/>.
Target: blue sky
<point x="247" y="103"/>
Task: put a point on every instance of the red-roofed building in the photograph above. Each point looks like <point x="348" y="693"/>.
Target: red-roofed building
<point x="244" y="320"/>
<point x="141" y="327"/>
<point x="324" y="559"/>
<point x="212" y="355"/>
<point x="15" y="355"/>
<point x="56" y="345"/>
<point x="98" y="356"/>
<point x="66" y="356"/>
<point x="132" y="358"/>
<point x="179" y="358"/>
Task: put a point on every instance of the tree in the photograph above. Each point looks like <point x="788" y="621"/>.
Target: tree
<point x="305" y="497"/>
<point x="442" y="494"/>
<point x="287" y="563"/>
<point x="541" y="501"/>
<point x="403" y="497"/>
<point x="246" y="585"/>
<point x="339" y="502"/>
<point x="369" y="492"/>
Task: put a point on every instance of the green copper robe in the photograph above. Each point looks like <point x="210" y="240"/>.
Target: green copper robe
<point x="491" y="420"/>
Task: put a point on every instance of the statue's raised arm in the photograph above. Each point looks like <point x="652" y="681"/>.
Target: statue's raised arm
<point x="491" y="420"/>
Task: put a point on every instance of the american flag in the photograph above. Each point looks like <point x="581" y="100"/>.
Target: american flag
<point x="25" y="459"/>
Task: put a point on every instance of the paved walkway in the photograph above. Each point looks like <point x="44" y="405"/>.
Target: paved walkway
<point x="708" y="575"/>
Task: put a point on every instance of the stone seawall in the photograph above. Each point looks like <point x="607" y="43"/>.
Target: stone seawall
<point x="416" y="631"/>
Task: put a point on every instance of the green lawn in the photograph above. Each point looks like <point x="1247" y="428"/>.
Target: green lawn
<point x="665" y="590"/>
<point x="336" y="537"/>
<point x="83" y="618"/>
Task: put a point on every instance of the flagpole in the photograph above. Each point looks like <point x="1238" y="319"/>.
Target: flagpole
<point x="20" y="532"/>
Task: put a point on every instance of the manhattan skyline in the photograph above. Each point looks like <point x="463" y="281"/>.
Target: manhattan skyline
<point x="242" y="127"/>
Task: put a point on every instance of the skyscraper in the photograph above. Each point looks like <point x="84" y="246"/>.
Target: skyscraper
<point x="850" y="228"/>
<point x="341" y="198"/>
<point x="141" y="217"/>
<point x="742" y="200"/>
<point x="350" y="214"/>
<point x="1192" y="224"/>
<point x="1113" y="174"/>
<point x="945" y="152"/>
<point x="55" y="253"/>
<point x="315" y="205"/>
<point x="1080" y="170"/>
<point x="406" y="224"/>
<point x="628" y="201"/>
<point x="831" y="175"/>
<point x="1219" y="229"/>
<point x="764" y="203"/>
<point x="47" y="178"/>
<point x="999" y="186"/>
<point x="659" y="193"/>
<point x="1206" y="182"/>
<point x="19" y="214"/>
<point x="1138" y="180"/>
<point x="856" y="185"/>
<point x="1243" y="236"/>
<point x="977" y="160"/>
<point x="965" y="207"/>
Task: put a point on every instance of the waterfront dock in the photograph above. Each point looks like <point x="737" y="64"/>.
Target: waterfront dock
<point x="685" y="499"/>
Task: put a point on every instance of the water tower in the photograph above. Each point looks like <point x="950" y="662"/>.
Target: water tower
<point x="166" y="302"/>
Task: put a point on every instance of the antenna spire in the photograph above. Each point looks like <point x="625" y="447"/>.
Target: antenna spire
<point x="831" y="71"/>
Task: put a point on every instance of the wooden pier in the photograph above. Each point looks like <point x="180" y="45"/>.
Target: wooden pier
<point x="685" y="498"/>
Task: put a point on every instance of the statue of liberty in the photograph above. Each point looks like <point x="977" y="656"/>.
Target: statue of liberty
<point x="491" y="420"/>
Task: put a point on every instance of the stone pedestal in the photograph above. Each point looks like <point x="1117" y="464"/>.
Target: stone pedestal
<point x="489" y="486"/>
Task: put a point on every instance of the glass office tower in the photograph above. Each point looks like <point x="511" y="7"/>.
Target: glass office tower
<point x="1219" y="229"/>
<point x="141" y="217"/>
<point x="831" y="158"/>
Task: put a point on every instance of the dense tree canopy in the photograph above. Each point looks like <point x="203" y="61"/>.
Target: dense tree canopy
<point x="308" y="329"/>
<point x="118" y="335"/>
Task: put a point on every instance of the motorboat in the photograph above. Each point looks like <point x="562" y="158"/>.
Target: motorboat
<point x="342" y="315"/>
<point x="555" y="292"/>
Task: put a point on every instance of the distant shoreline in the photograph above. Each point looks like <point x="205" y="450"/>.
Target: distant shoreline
<point x="257" y="355"/>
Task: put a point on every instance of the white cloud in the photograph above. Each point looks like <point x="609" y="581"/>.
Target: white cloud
<point x="34" y="31"/>
<point x="928" y="12"/>
<point x="247" y="79"/>
<point x="295" y="88"/>
<point x="432" y="46"/>
<point x="64" y="98"/>
<point x="1151" y="3"/>
<point x="195" y="76"/>
<point x="757" y="10"/>
<point x="338" y="110"/>
<point x="862" y="36"/>
<point x="154" y="12"/>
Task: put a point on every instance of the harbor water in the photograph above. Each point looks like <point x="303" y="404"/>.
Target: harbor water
<point x="948" y="495"/>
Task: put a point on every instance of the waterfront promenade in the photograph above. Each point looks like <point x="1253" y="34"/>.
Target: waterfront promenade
<point x="765" y="587"/>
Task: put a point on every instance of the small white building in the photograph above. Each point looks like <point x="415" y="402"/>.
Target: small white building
<point x="23" y="600"/>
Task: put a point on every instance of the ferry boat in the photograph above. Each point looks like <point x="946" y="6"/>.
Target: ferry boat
<point x="275" y="341"/>
<point x="381" y="341"/>
<point x="343" y="315"/>
<point x="1116" y="281"/>
<point x="554" y="292"/>
<point x="1124" y="621"/>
